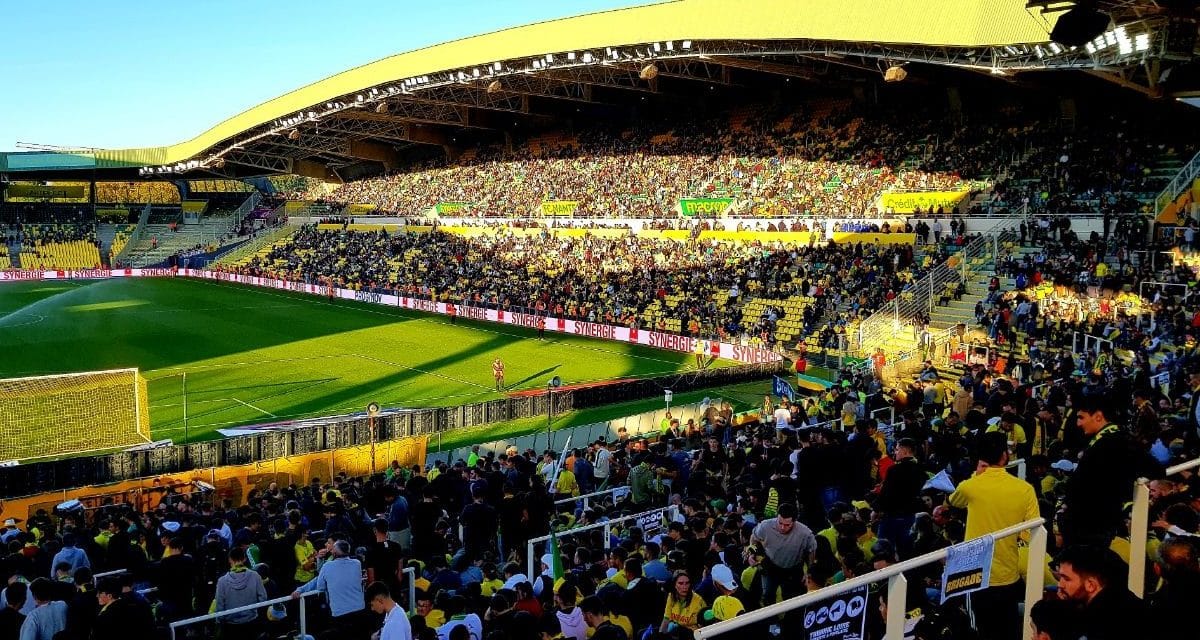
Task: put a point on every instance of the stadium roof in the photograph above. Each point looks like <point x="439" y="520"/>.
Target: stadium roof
<point x="426" y="96"/>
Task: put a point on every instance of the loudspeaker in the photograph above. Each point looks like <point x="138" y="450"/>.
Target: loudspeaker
<point x="1079" y="26"/>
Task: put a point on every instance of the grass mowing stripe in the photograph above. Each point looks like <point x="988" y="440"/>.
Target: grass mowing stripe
<point x="291" y="355"/>
<point x="418" y="316"/>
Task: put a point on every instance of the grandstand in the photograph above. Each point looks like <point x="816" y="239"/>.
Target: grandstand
<point x="983" y="278"/>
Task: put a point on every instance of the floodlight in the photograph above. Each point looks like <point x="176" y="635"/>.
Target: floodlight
<point x="894" y="73"/>
<point x="648" y="72"/>
<point x="1078" y="26"/>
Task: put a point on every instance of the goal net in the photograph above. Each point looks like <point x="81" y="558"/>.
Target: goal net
<point x="72" y="413"/>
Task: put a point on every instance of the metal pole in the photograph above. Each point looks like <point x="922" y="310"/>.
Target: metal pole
<point x="1139" y="522"/>
<point x="371" y="421"/>
<point x="303" y="621"/>
<point x="549" y="417"/>
<point x="1035" y="576"/>
<point x="897" y="590"/>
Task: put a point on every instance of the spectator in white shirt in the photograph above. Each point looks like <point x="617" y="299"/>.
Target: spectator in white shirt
<point x="783" y="417"/>
<point x="395" y="622"/>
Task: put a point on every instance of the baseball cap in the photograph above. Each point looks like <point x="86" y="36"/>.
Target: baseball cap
<point x="1064" y="465"/>
<point x="993" y="421"/>
<point x="723" y="575"/>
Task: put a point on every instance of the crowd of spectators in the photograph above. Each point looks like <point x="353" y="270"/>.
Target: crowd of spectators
<point x="830" y="162"/>
<point x="697" y="287"/>
<point x="788" y="499"/>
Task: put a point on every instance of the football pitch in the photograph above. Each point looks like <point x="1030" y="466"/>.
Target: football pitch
<point x="254" y="355"/>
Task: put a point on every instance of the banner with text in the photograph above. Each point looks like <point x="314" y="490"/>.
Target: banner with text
<point x="968" y="567"/>
<point x="559" y="207"/>
<point x="841" y="617"/>
<point x="906" y="202"/>
<point x="359" y="209"/>
<point x="47" y="192"/>
<point x="654" y="339"/>
<point x="704" y="206"/>
<point x="451" y="208"/>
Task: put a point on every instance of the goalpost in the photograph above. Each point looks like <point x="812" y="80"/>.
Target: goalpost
<point x="72" y="413"/>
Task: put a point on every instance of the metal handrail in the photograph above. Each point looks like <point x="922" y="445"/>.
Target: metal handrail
<point x="1181" y="182"/>
<point x="897" y="585"/>
<point x="920" y="297"/>
<point x="587" y="497"/>
<point x="1139" y="526"/>
<point x="249" y="607"/>
<point x="673" y="510"/>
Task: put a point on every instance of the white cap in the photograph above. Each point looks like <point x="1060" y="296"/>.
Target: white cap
<point x="993" y="421"/>
<point x="1063" y="465"/>
<point x="10" y="523"/>
<point x="723" y="575"/>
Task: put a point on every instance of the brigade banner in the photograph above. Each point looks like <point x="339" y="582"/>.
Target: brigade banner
<point x="359" y="209"/>
<point x="46" y="192"/>
<point x="704" y="206"/>
<point x="906" y="202"/>
<point x="194" y="206"/>
<point x="559" y="207"/>
<point x="450" y="208"/>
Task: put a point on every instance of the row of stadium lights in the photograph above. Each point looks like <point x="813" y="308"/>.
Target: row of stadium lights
<point x="288" y="125"/>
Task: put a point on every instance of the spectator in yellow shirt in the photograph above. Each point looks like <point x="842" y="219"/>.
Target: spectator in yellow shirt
<point x="995" y="500"/>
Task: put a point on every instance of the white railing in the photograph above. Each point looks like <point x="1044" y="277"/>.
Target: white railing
<point x="897" y="588"/>
<point x="922" y="296"/>
<point x="240" y="214"/>
<point x="250" y="607"/>
<point x="670" y="511"/>
<point x="1139" y="527"/>
<point x="587" y="498"/>
<point x="1180" y="183"/>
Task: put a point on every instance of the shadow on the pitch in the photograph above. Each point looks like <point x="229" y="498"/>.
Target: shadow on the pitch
<point x="535" y="376"/>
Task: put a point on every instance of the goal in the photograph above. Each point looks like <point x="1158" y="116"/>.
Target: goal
<point x="72" y="413"/>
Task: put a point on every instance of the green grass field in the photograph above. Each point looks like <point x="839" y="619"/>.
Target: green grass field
<point x="258" y="355"/>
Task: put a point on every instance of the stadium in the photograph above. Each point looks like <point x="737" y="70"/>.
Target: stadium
<point x="841" y="320"/>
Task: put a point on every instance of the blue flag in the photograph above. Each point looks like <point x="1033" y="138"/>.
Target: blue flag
<point x="783" y="389"/>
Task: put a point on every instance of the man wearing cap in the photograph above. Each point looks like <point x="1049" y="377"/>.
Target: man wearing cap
<point x="995" y="500"/>
<point x="727" y="604"/>
<point x="10" y="530"/>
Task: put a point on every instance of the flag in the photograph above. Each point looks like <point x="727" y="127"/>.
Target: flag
<point x="940" y="482"/>
<point x="556" y="565"/>
<point x="783" y="389"/>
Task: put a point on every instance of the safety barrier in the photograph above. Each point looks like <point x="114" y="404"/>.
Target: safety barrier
<point x="587" y="498"/>
<point x="897" y="588"/>
<point x="1139" y="527"/>
<point x="250" y="607"/>
<point x="670" y="511"/>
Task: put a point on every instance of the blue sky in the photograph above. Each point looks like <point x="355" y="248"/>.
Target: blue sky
<point x="131" y="73"/>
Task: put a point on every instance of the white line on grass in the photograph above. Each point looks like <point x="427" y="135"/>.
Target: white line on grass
<point x="222" y="365"/>
<point x="254" y="407"/>
<point x="420" y="317"/>
<point x="428" y="373"/>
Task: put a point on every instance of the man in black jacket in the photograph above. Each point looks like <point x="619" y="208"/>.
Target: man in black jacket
<point x="899" y="496"/>
<point x="120" y="617"/>
<point x="1103" y="480"/>
<point x="1094" y="578"/>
